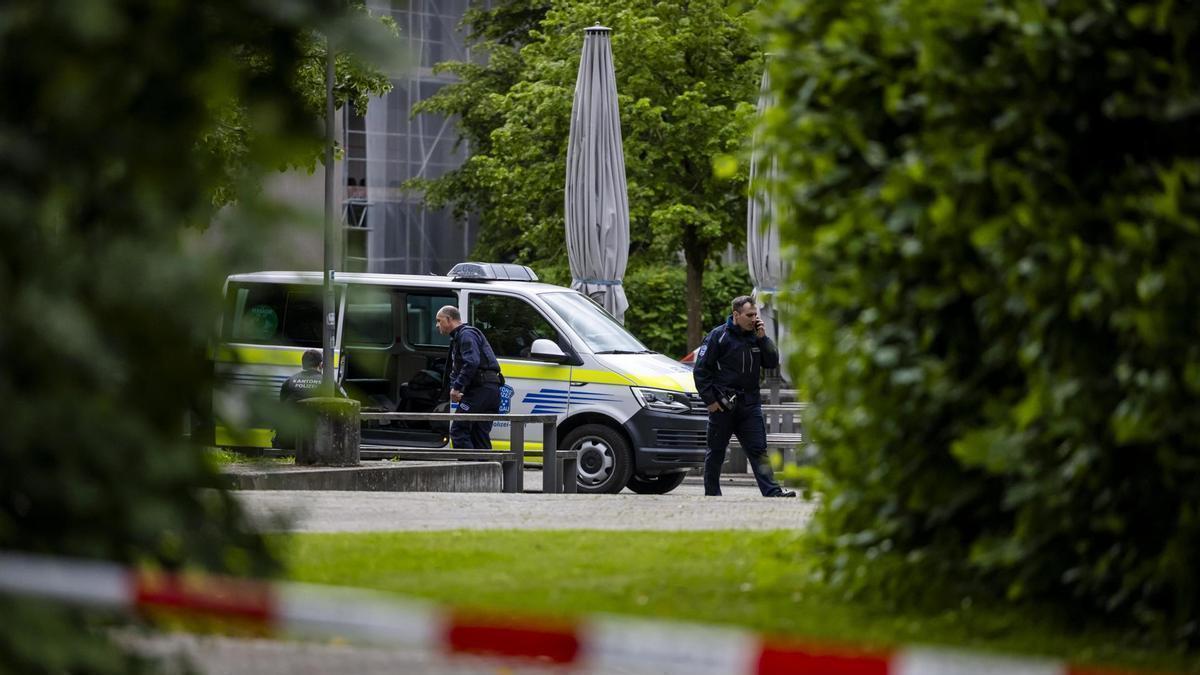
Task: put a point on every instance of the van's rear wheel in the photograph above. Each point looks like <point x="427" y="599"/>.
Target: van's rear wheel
<point x="656" y="485"/>
<point x="605" y="458"/>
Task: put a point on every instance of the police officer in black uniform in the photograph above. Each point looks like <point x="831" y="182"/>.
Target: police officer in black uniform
<point x="302" y="385"/>
<point x="475" y="378"/>
<point x="727" y="371"/>
<point x="307" y="382"/>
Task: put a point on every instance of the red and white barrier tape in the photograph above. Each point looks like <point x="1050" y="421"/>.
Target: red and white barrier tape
<point x="598" y="643"/>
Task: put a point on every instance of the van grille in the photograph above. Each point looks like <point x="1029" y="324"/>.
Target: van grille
<point x="698" y="405"/>
<point x="680" y="438"/>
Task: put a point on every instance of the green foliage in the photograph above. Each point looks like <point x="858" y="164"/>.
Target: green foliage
<point x="998" y="205"/>
<point x="656" y="299"/>
<point x="656" y="304"/>
<point x="235" y="128"/>
<point x="105" y="318"/>
<point x="687" y="74"/>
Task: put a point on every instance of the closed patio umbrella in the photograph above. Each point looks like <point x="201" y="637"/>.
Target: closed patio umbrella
<point x="596" y="202"/>
<point x="768" y="267"/>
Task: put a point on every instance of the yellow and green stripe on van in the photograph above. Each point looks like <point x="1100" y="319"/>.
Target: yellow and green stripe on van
<point x="673" y="381"/>
<point x="264" y="356"/>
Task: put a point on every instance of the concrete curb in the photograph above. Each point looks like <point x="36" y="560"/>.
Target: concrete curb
<point x="371" y="477"/>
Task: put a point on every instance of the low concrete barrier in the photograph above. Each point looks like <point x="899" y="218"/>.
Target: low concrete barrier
<point x="559" y="467"/>
<point x="370" y="477"/>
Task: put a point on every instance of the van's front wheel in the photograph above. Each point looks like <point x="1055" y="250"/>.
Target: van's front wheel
<point x="605" y="458"/>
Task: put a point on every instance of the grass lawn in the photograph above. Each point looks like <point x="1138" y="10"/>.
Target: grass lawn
<point x="758" y="580"/>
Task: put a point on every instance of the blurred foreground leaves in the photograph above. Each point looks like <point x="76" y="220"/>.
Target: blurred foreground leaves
<point x="998" y="209"/>
<point x="104" y="316"/>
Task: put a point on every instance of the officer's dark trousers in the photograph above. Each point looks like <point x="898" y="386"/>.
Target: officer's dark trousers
<point x="483" y="398"/>
<point x="745" y="420"/>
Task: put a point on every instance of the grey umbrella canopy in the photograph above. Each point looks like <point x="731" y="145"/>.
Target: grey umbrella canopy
<point x="768" y="267"/>
<point x="596" y="203"/>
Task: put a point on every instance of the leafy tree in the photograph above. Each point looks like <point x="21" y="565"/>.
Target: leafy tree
<point x="998" y="205"/>
<point x="235" y="129"/>
<point x="687" y="74"/>
<point x="105" y="320"/>
<point x="656" y="318"/>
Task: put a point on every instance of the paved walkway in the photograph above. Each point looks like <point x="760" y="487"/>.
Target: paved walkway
<point x="686" y="508"/>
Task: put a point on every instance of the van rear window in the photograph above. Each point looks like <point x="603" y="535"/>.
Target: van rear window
<point x="369" y="317"/>
<point x="421" y="319"/>
<point x="273" y="314"/>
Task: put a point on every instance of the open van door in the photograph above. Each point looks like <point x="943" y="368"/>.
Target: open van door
<point x="265" y="329"/>
<point x="396" y="360"/>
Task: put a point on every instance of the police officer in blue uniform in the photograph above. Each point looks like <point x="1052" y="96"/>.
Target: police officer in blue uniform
<point x="475" y="378"/>
<point x="727" y="371"/>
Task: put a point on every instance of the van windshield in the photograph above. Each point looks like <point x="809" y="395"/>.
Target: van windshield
<point x="596" y="327"/>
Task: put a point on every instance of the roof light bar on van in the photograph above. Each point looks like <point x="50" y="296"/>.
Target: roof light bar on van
<point x="477" y="271"/>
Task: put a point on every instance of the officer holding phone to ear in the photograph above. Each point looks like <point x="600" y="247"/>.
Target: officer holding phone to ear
<point x="727" y="372"/>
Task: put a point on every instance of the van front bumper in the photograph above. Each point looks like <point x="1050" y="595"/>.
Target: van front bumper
<point x="667" y="442"/>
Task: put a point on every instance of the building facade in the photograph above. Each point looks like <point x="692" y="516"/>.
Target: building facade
<point x="386" y="226"/>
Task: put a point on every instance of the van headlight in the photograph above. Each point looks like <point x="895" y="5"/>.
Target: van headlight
<point x="663" y="400"/>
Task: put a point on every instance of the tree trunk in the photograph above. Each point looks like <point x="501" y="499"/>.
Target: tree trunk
<point x="694" y="262"/>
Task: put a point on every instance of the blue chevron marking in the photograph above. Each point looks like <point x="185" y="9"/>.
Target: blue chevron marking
<point x="546" y="409"/>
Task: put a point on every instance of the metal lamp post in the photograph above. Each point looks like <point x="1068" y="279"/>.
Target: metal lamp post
<point x="329" y="327"/>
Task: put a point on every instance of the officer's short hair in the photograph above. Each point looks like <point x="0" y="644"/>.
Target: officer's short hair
<point x="740" y="301"/>
<point x="312" y="359"/>
<point x="450" y="312"/>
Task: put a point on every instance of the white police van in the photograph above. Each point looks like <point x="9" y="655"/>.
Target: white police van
<point x="632" y="414"/>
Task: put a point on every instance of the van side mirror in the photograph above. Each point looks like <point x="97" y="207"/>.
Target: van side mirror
<point x="546" y="350"/>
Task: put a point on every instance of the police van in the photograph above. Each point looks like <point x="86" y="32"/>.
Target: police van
<point x="633" y="415"/>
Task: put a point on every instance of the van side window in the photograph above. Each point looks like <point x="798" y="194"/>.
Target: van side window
<point x="275" y="314"/>
<point x="510" y="324"/>
<point x="420" y="321"/>
<point x="368" y="317"/>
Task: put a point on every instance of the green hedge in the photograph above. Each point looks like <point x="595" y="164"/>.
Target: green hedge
<point x="104" y="317"/>
<point x="657" y="313"/>
<point x="998" y="205"/>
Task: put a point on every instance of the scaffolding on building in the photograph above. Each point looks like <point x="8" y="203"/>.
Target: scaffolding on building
<point x="387" y="227"/>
